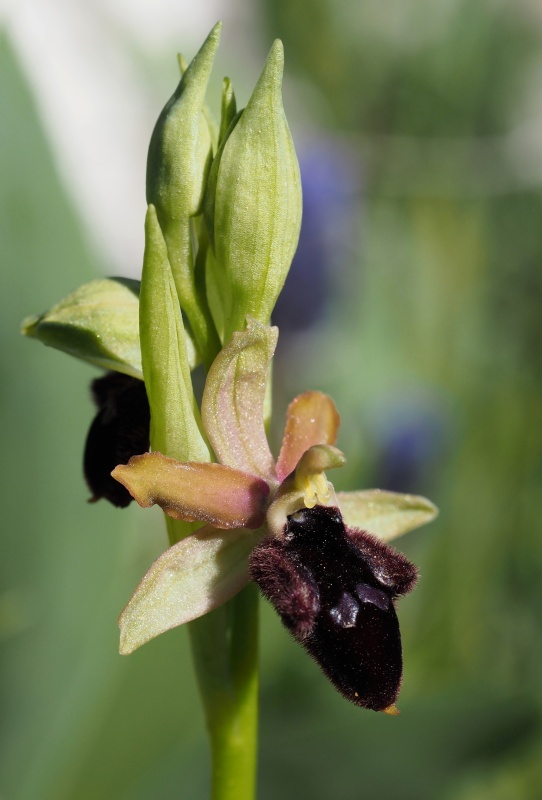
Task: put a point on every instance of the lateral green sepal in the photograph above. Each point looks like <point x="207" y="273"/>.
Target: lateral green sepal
<point x="98" y="323"/>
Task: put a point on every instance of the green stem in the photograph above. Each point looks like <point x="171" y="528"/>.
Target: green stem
<point x="229" y="688"/>
<point x="225" y="651"/>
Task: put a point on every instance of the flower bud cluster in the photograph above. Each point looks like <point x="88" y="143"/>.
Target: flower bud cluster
<point x="234" y="264"/>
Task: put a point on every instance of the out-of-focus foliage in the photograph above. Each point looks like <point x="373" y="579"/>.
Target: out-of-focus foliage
<point x="428" y="335"/>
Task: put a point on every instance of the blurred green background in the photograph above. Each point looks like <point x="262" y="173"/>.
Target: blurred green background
<point x="416" y="302"/>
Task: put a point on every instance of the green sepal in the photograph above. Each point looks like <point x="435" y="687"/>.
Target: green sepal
<point x="386" y="515"/>
<point x="99" y="323"/>
<point x="175" y="419"/>
<point x="253" y="201"/>
<point x="180" y="155"/>
<point x="193" y="577"/>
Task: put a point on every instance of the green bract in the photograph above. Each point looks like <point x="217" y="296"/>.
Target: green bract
<point x="175" y="424"/>
<point x="253" y="202"/>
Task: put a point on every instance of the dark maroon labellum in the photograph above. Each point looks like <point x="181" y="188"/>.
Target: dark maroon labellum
<point x="120" y="430"/>
<point x="335" y="588"/>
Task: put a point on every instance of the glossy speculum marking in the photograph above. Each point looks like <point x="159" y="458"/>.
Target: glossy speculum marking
<point x="335" y="589"/>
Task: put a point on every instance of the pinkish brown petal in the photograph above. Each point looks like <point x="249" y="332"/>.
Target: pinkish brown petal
<point x="219" y="495"/>
<point x="232" y="405"/>
<point x="311" y="419"/>
<point x="191" y="578"/>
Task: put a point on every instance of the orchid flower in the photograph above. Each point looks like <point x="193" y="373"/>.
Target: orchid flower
<point x="222" y="226"/>
<point x="246" y="497"/>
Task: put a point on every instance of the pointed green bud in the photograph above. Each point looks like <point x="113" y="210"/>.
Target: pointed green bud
<point x="98" y="323"/>
<point x="206" y="111"/>
<point x="179" y="159"/>
<point x="216" y="280"/>
<point x="175" y="420"/>
<point x="180" y="148"/>
<point x="228" y="109"/>
<point x="253" y="201"/>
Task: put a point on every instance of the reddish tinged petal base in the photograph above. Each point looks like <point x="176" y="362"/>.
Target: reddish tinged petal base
<point x="219" y="495"/>
<point x="311" y="419"/>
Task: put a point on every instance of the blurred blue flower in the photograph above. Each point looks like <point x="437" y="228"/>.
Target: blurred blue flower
<point x="413" y="436"/>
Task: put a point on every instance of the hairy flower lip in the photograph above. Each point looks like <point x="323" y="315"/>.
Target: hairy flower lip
<point x="334" y="589"/>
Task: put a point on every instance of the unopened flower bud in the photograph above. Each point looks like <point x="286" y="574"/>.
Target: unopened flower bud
<point x="253" y="202"/>
<point x="178" y="164"/>
<point x="180" y="148"/>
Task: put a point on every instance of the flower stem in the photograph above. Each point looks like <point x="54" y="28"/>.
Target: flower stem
<point x="225" y="651"/>
<point x="225" y="648"/>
